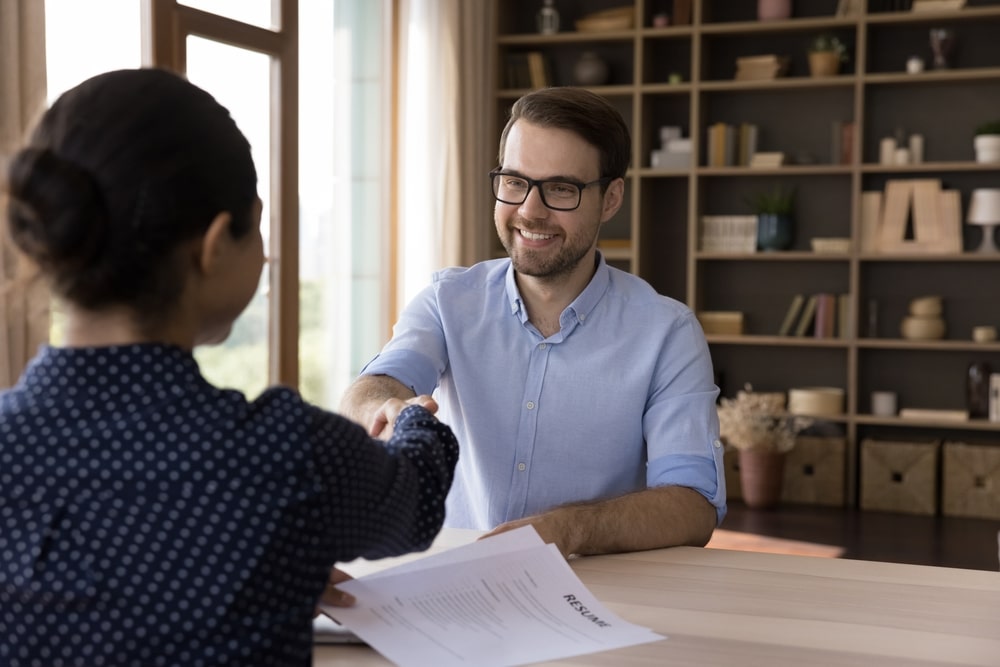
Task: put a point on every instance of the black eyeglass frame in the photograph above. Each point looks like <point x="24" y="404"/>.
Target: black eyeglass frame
<point x="541" y="191"/>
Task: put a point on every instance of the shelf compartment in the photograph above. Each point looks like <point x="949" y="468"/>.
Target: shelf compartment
<point x="822" y="204"/>
<point x="766" y="368"/>
<point x="970" y="296"/>
<point x="808" y="139"/>
<point x="720" y="51"/>
<point x="920" y="378"/>
<point x="763" y="292"/>
<point x="947" y="138"/>
<point x="729" y="16"/>
<point x="890" y="45"/>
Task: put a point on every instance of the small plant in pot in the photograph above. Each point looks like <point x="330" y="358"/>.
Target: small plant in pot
<point x="987" y="142"/>
<point x="826" y="54"/>
<point x="758" y="427"/>
<point x="774" y="218"/>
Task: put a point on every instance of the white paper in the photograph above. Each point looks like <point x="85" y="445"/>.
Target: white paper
<point x="512" y="602"/>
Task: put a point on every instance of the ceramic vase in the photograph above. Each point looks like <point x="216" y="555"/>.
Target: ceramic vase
<point x="590" y="70"/>
<point x="762" y="473"/>
<point x="774" y="231"/>
<point x="773" y="10"/>
<point x="824" y="63"/>
<point x="987" y="148"/>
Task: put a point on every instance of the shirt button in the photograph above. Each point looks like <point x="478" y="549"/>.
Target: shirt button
<point x="542" y="346"/>
<point x="521" y="467"/>
<point x="717" y="443"/>
<point x="583" y="317"/>
<point x="530" y="405"/>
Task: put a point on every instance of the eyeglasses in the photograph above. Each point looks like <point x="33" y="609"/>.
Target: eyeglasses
<point x="557" y="195"/>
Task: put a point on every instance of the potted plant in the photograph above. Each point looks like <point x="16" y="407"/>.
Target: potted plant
<point x="826" y="53"/>
<point x="756" y="425"/>
<point x="987" y="142"/>
<point x="774" y="218"/>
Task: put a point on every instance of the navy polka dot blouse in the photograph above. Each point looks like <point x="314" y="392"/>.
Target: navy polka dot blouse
<point x="149" y="518"/>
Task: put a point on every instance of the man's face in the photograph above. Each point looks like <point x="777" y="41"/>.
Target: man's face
<point x="542" y="242"/>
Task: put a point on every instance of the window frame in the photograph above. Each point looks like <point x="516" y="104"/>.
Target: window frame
<point x="165" y="28"/>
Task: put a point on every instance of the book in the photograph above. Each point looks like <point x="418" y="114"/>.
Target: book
<point x="933" y="414"/>
<point x="768" y="159"/>
<point x="538" y="70"/>
<point x="747" y="144"/>
<point x="826" y="314"/>
<point x="517" y="70"/>
<point x="936" y="5"/>
<point x="844" y="327"/>
<point x="808" y="314"/>
<point x="847" y="143"/>
<point x="794" y="308"/>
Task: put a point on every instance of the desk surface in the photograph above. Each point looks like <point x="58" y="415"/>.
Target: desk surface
<point x="721" y="607"/>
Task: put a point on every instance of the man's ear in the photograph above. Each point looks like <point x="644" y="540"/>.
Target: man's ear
<point x="214" y="242"/>
<point x="614" y="196"/>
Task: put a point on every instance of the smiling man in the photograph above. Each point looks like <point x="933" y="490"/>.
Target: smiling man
<point x="583" y="401"/>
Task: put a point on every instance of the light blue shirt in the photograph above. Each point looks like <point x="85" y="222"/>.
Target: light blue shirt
<point x="621" y="398"/>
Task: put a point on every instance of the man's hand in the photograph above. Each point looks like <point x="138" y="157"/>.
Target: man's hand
<point x="332" y="595"/>
<point x="385" y="416"/>
<point x="553" y="527"/>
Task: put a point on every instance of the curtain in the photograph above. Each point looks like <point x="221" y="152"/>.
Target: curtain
<point x="24" y="309"/>
<point x="446" y="145"/>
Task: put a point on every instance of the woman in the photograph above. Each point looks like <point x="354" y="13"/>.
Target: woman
<point x="147" y="517"/>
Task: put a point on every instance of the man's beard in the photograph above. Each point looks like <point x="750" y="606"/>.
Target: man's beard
<point x="544" y="264"/>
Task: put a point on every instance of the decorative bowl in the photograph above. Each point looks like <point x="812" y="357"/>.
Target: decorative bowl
<point x="616" y="18"/>
<point x="816" y="401"/>
<point x="916" y="327"/>
<point x="926" y="306"/>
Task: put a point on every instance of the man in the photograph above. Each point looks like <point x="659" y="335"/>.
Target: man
<point x="583" y="401"/>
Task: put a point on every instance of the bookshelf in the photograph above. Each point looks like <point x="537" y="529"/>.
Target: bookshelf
<point x="684" y="76"/>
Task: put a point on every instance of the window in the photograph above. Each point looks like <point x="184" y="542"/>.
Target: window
<point x="316" y="326"/>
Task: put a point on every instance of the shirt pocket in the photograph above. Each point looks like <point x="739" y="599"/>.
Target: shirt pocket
<point x="43" y="559"/>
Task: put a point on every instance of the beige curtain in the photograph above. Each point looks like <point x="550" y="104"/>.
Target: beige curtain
<point x="445" y="140"/>
<point x="468" y="203"/>
<point x="24" y="313"/>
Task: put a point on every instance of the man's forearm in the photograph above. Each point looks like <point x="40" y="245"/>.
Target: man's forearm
<point x="650" y="519"/>
<point x="368" y="393"/>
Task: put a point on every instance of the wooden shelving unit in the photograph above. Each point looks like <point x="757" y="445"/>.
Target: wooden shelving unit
<point x="656" y="233"/>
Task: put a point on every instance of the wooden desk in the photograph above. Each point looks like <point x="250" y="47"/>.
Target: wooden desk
<point x="742" y="608"/>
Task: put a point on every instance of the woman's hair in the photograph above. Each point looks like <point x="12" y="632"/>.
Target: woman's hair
<point x="578" y="110"/>
<point x="118" y="173"/>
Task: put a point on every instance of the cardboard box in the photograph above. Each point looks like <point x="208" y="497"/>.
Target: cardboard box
<point x="814" y="471"/>
<point x="971" y="480"/>
<point x="727" y="322"/>
<point x="899" y="476"/>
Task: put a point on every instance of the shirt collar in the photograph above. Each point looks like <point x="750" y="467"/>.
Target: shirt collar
<point x="581" y="306"/>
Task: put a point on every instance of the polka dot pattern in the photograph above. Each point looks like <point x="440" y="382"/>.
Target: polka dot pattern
<point x="149" y="518"/>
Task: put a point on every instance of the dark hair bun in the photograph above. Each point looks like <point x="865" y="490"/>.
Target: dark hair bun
<point x="57" y="214"/>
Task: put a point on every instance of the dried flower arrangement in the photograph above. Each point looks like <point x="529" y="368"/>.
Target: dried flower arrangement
<point x="757" y="420"/>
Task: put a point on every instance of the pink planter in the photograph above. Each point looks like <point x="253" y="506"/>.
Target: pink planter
<point x="773" y="10"/>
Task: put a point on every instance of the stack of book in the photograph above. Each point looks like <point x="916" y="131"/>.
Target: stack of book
<point x="729" y="233"/>
<point x="761" y="68"/>
<point x="822" y="315"/>
<point x="730" y="145"/>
